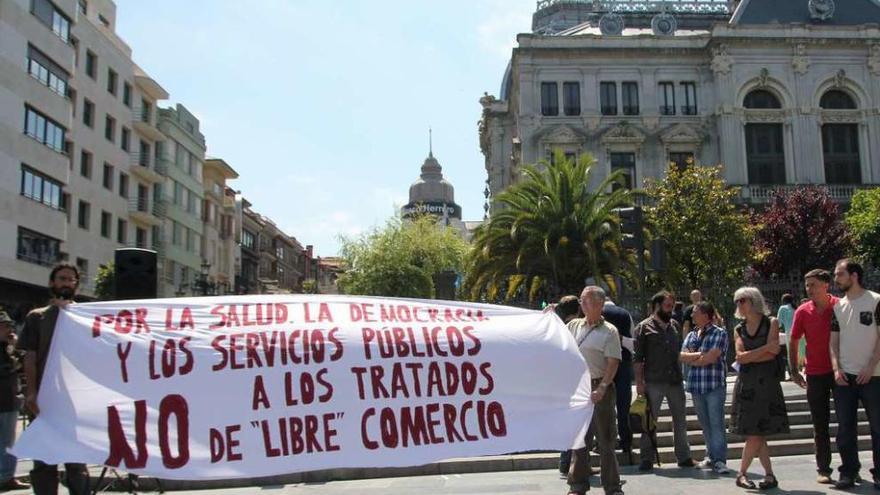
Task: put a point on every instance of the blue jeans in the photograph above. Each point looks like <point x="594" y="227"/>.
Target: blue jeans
<point x="710" y="412"/>
<point x="7" y="439"/>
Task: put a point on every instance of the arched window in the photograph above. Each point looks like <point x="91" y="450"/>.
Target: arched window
<point x="765" y="150"/>
<point x="761" y="99"/>
<point x="840" y="142"/>
<point x="837" y="100"/>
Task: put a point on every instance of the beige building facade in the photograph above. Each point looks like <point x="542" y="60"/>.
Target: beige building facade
<point x="219" y="243"/>
<point x="779" y="92"/>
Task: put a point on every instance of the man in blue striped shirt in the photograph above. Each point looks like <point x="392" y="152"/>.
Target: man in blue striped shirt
<point x="705" y="350"/>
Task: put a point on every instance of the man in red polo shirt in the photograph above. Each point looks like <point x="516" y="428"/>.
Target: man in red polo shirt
<point x="812" y="320"/>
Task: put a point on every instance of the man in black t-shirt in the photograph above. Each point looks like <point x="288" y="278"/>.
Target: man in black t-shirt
<point x="36" y="337"/>
<point x="623" y="380"/>
<point x="9" y="405"/>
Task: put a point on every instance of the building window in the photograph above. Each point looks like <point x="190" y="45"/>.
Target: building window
<point x="765" y="150"/>
<point x="667" y="98"/>
<point x="82" y="265"/>
<point x="41" y="188"/>
<point x="549" y="99"/>
<point x="761" y="99"/>
<point x="568" y="155"/>
<point x="110" y="128"/>
<point x="44" y="129"/>
<point x="143" y="153"/>
<point x="571" y="98"/>
<point x="146" y="111"/>
<point x="45" y="70"/>
<point x="104" y="21"/>
<point x="140" y="238"/>
<point x="34" y="247"/>
<point x="630" y="98"/>
<point x="83" y="7"/>
<point x="91" y="64"/>
<point x="176" y="234"/>
<point x="88" y="113"/>
<point x="106" y="224"/>
<point x="123" y="184"/>
<point x="125" y="139"/>
<point x="52" y="18"/>
<point x="177" y="194"/>
<point x="83" y="214"/>
<point x="625" y="162"/>
<point x="608" y="98"/>
<point x="247" y="239"/>
<point x="126" y="94"/>
<point x="765" y="154"/>
<point x="121" y="231"/>
<point x="279" y="252"/>
<point x="840" y="142"/>
<point x="681" y="159"/>
<point x="690" y="98"/>
<point x="108" y="176"/>
<point x="112" y="81"/>
<point x="85" y="164"/>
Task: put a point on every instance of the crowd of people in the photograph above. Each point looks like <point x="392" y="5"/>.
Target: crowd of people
<point x="670" y="353"/>
<point x="675" y="351"/>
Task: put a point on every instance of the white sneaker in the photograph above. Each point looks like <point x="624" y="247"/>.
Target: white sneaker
<point x="720" y="468"/>
<point x="705" y="464"/>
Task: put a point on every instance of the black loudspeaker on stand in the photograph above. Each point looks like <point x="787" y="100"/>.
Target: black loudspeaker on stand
<point x="135" y="274"/>
<point x="134" y="277"/>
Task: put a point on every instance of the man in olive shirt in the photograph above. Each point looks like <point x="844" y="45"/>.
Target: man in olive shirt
<point x="599" y="343"/>
<point x="39" y="327"/>
<point x="658" y="374"/>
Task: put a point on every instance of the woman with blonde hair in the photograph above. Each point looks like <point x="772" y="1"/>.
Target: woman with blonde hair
<point x="758" y="404"/>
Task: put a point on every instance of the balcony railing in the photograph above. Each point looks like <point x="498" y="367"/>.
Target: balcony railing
<point x="667" y="110"/>
<point x="842" y="193"/>
<point x="688" y="110"/>
<point x="631" y="110"/>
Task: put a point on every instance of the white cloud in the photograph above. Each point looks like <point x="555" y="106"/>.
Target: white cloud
<point x="497" y="33"/>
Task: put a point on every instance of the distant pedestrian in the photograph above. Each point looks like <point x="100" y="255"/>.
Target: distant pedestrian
<point x="566" y="309"/>
<point x="678" y="312"/>
<point x="623" y="379"/>
<point x="812" y="324"/>
<point x="706" y="353"/>
<point x="855" y="357"/>
<point x="758" y="404"/>
<point x="600" y="345"/>
<point x="659" y="376"/>
<point x="687" y="322"/>
<point x="10" y="403"/>
<point x="785" y="316"/>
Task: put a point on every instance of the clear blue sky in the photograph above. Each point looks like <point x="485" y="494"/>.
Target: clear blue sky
<point x="323" y="107"/>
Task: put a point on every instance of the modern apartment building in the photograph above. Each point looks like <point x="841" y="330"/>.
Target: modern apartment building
<point x="111" y="184"/>
<point x="71" y="128"/>
<point x="219" y="243"/>
<point x="183" y="152"/>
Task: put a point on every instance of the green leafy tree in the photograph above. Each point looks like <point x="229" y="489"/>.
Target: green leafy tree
<point x="105" y="283"/>
<point x="310" y="287"/>
<point x="801" y="229"/>
<point x="863" y="220"/>
<point x="552" y="230"/>
<point x="708" y="240"/>
<point x="401" y="258"/>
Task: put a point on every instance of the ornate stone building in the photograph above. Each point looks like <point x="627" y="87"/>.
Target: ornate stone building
<point x="781" y="92"/>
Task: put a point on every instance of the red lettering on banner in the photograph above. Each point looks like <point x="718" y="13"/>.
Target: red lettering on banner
<point x="123" y="357"/>
<point x="168" y="361"/>
<point x="176" y="405"/>
<point x="123" y="322"/>
<point x="296" y="435"/>
<point x="120" y="450"/>
<point x="260" y="397"/>
<point x="224" y="446"/>
<point x="432" y="424"/>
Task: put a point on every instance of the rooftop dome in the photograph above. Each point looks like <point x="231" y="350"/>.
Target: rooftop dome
<point x="431" y="193"/>
<point x="556" y="16"/>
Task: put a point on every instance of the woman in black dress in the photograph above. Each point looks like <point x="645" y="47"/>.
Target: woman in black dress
<point x="758" y="404"/>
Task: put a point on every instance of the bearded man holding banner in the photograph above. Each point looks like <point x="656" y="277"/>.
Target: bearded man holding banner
<point x="36" y="337"/>
<point x="599" y="343"/>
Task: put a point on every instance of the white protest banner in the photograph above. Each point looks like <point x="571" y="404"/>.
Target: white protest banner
<point x="248" y="386"/>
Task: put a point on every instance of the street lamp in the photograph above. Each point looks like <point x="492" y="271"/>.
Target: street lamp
<point x="203" y="284"/>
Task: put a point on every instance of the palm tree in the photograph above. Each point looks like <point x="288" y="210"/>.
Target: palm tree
<point x="551" y="232"/>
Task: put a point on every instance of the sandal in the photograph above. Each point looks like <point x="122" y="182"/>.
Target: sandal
<point x="743" y="481"/>
<point x="766" y="485"/>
